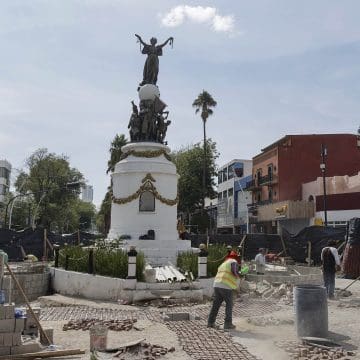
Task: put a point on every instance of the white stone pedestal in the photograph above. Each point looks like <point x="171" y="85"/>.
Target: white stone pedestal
<point x="146" y="168"/>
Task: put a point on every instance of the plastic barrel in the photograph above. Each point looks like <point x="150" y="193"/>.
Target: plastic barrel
<point x="311" y="311"/>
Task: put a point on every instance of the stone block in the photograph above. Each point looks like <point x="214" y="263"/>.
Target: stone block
<point x="7" y="325"/>
<point x="8" y="311"/>
<point x="19" y="325"/>
<point x="8" y="339"/>
<point x="16" y="339"/>
<point x="2" y="312"/>
<point x="5" y="350"/>
<point x="30" y="347"/>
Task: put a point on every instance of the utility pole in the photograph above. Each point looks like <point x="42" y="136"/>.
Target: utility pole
<point x="323" y="171"/>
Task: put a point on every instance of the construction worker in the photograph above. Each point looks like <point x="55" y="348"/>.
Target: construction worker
<point x="226" y="281"/>
<point x="330" y="264"/>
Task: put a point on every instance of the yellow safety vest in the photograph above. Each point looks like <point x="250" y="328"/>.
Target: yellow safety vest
<point x="225" y="276"/>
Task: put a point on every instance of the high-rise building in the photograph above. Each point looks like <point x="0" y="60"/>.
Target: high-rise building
<point x="87" y="193"/>
<point x="5" y="171"/>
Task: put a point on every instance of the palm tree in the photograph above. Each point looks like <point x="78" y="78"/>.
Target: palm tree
<point x="204" y="102"/>
<point x="115" y="151"/>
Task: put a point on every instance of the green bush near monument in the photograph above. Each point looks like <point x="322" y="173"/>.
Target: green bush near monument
<point x="107" y="261"/>
<point x="188" y="261"/>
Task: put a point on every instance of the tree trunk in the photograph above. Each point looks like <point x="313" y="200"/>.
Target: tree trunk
<point x="204" y="169"/>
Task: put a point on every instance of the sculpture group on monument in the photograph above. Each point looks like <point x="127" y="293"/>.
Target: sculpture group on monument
<point x="149" y="122"/>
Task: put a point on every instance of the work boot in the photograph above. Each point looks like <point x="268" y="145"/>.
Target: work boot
<point x="213" y="326"/>
<point x="229" y="326"/>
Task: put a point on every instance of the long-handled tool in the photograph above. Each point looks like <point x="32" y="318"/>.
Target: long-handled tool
<point x="358" y="278"/>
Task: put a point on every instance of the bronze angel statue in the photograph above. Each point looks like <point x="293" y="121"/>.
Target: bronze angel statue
<point x="153" y="51"/>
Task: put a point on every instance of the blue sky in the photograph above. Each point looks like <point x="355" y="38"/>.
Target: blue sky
<point x="69" y="69"/>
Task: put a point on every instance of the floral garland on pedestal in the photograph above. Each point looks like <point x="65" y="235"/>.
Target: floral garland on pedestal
<point x="147" y="185"/>
<point x="147" y="154"/>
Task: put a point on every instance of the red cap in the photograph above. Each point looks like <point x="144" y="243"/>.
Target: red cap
<point x="233" y="255"/>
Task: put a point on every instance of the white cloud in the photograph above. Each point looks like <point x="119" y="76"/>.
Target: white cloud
<point x="224" y="23"/>
<point x="199" y="14"/>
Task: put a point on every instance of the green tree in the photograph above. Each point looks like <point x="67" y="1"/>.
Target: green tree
<point x="86" y="213"/>
<point x="103" y="218"/>
<point x="203" y="104"/>
<point x="189" y="163"/>
<point x="54" y="187"/>
<point x="115" y="151"/>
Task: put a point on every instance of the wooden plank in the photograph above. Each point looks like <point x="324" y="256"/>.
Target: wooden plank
<point x="43" y="354"/>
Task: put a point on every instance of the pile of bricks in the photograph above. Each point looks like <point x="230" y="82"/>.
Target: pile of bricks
<point x="114" y="325"/>
<point x="11" y="330"/>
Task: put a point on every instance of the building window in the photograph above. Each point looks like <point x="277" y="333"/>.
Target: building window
<point x="220" y="177"/>
<point x="225" y="194"/>
<point x="311" y="198"/>
<point x="258" y="176"/>
<point x="219" y="196"/>
<point x="231" y="171"/>
<point x="225" y="175"/>
<point x="147" y="201"/>
<point x="230" y="192"/>
<point x="270" y="171"/>
<point x="270" y="194"/>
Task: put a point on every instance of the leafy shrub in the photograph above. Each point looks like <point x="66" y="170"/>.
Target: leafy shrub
<point x="108" y="261"/>
<point x="188" y="261"/>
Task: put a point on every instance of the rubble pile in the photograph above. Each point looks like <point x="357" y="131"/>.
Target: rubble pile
<point x="283" y="292"/>
<point x="114" y="325"/>
<point x="143" y="351"/>
<point x="299" y="351"/>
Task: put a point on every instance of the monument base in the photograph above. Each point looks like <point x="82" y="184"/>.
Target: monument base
<point x="160" y="252"/>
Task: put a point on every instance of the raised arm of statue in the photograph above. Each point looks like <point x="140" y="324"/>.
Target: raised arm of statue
<point x="140" y="39"/>
<point x="170" y="39"/>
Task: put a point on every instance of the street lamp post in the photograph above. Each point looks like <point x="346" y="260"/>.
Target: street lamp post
<point x="323" y="171"/>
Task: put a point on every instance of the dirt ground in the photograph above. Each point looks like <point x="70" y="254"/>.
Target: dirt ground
<point x="259" y="339"/>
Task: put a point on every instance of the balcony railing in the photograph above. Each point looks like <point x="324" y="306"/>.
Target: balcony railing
<point x="268" y="179"/>
<point x="252" y="185"/>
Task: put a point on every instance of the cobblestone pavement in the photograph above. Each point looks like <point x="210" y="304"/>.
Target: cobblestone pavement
<point x="247" y="307"/>
<point x="202" y="343"/>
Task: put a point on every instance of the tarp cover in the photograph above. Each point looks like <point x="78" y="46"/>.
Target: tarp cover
<point x="297" y="245"/>
<point x="32" y="241"/>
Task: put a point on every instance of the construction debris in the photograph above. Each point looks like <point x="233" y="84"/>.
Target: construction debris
<point x="138" y="350"/>
<point x="304" y="351"/>
<point x="114" y="325"/>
